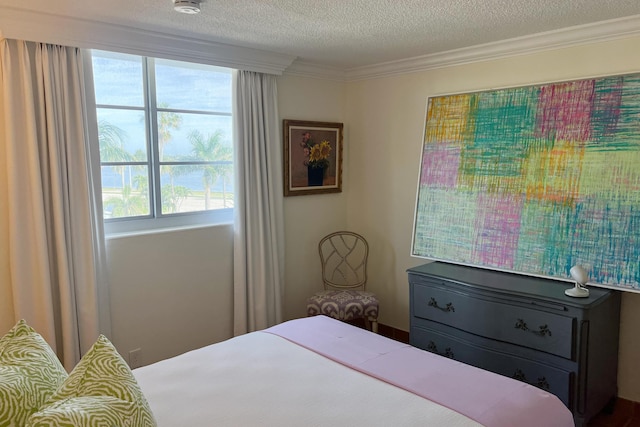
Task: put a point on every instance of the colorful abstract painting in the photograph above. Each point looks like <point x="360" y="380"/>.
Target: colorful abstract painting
<point x="535" y="180"/>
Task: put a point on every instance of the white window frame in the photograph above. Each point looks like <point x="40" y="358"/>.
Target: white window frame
<point x="156" y="220"/>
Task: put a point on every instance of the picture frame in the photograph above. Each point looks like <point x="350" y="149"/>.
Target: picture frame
<point x="312" y="157"/>
<point x="534" y="180"/>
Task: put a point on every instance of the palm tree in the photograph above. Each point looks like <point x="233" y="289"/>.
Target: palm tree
<point x="111" y="139"/>
<point x="173" y="197"/>
<point x="211" y="149"/>
<point x="166" y="122"/>
<point x="130" y="204"/>
<point x="141" y="184"/>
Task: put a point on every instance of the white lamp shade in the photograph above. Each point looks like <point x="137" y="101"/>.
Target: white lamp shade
<point x="579" y="274"/>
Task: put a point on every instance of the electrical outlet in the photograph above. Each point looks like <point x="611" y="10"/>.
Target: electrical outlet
<point x="135" y="358"/>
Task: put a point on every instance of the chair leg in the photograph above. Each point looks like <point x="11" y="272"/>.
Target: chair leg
<point x="371" y="325"/>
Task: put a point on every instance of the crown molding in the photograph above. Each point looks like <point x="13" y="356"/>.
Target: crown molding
<point x="48" y="28"/>
<point x="303" y="68"/>
<point x="567" y="37"/>
<point x="37" y="26"/>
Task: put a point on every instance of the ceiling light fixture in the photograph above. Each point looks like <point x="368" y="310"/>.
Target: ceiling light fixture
<point x="190" y="7"/>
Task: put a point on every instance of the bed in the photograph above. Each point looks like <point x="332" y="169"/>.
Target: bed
<point x="318" y="371"/>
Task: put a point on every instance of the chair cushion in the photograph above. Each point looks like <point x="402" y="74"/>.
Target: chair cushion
<point x="344" y="304"/>
<point x="30" y="373"/>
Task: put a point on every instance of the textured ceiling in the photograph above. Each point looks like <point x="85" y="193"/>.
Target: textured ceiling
<point x="346" y="33"/>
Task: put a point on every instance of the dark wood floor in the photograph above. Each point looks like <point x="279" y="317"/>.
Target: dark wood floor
<point x="625" y="412"/>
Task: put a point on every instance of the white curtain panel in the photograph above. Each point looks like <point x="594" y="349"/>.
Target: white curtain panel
<point x="258" y="228"/>
<point x="53" y="243"/>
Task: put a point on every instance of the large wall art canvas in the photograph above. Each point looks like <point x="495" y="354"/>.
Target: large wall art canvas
<point x="534" y="180"/>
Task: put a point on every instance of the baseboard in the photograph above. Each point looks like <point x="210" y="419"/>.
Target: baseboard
<point x="393" y="333"/>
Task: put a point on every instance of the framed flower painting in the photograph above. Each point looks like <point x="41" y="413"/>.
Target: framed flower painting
<point x="312" y="157"/>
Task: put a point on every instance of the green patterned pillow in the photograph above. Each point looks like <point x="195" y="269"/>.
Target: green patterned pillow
<point x="30" y="372"/>
<point x="100" y="391"/>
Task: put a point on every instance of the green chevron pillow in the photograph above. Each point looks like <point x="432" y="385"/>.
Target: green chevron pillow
<point x="100" y="391"/>
<point x="30" y="372"/>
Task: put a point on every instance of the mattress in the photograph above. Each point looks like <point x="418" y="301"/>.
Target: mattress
<point x="320" y="372"/>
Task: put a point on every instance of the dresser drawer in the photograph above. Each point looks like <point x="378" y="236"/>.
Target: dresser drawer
<point x="520" y="326"/>
<point x="495" y="319"/>
<point x="548" y="378"/>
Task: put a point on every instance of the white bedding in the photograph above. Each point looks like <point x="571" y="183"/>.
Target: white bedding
<point x="260" y="379"/>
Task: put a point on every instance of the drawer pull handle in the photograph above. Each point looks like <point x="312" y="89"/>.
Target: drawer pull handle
<point x="519" y="375"/>
<point x="542" y="381"/>
<point x="433" y="348"/>
<point x="433" y="303"/>
<point x="544" y="329"/>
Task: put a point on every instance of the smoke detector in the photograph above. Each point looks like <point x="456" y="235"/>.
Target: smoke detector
<point x="190" y="7"/>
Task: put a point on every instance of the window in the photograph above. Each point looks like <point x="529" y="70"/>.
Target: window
<point x="165" y="135"/>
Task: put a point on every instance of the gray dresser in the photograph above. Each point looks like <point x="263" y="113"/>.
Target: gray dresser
<point x="521" y="327"/>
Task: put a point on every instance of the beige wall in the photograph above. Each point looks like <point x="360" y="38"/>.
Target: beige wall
<point x="629" y="349"/>
<point x="309" y="218"/>
<point x="170" y="291"/>
<point x="386" y="118"/>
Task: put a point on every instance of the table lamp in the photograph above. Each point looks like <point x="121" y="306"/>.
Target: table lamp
<point x="578" y="274"/>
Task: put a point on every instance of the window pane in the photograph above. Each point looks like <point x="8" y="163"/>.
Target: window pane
<point x="125" y="191"/>
<point x="196" y="188"/>
<point x="122" y="135"/>
<point x="195" y="137"/>
<point x="191" y="105"/>
<point x="185" y="86"/>
<point x="117" y="79"/>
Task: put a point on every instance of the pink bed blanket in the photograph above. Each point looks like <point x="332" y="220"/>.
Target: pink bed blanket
<point x="490" y="399"/>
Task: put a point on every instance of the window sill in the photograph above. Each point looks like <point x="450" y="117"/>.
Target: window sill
<point x="160" y="230"/>
<point x="145" y="226"/>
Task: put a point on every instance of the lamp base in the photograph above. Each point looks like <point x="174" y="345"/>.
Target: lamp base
<point x="577" y="292"/>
